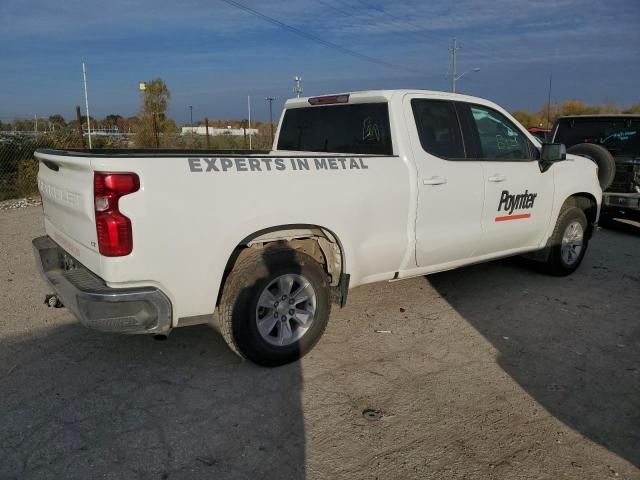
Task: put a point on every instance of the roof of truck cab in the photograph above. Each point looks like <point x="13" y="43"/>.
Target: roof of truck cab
<point x="378" y="95"/>
<point x="601" y="116"/>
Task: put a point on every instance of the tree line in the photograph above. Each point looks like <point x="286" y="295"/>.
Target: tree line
<point x="151" y="124"/>
<point x="545" y="117"/>
<point x="150" y="127"/>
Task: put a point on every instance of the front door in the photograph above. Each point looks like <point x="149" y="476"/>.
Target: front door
<point x="518" y="196"/>
<point x="450" y="188"/>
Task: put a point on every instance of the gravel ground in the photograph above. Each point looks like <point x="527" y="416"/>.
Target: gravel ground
<point x="20" y="203"/>
<point x="488" y="372"/>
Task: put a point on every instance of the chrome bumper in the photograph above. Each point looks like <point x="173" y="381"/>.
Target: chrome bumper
<point x="122" y="310"/>
<point x="628" y="201"/>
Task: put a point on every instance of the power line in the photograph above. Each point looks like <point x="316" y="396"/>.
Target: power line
<point x="332" y="7"/>
<point x="393" y="17"/>
<point x="373" y="23"/>
<point x="316" y="39"/>
<point x="397" y="21"/>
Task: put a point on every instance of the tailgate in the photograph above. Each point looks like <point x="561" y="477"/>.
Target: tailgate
<point x="66" y="186"/>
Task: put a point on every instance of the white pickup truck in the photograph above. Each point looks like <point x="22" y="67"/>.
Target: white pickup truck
<point x="359" y="188"/>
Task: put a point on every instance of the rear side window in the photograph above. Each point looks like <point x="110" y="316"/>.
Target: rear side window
<point x="358" y="128"/>
<point x="438" y="128"/>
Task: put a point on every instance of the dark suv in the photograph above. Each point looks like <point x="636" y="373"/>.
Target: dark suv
<point x="620" y="136"/>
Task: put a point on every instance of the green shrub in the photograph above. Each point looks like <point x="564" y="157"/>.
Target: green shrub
<point x="26" y="182"/>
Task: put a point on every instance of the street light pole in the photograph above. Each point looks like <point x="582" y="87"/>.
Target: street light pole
<point x="190" y="115"/>
<point x="249" y="119"/>
<point x="454" y="73"/>
<point x="458" y="77"/>
<point x="86" y="103"/>
<point x="454" y="50"/>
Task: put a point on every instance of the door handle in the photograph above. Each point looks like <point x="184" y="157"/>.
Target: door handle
<point x="497" y="178"/>
<point x="434" y="181"/>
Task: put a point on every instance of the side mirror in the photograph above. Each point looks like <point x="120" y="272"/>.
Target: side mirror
<point x="553" y="152"/>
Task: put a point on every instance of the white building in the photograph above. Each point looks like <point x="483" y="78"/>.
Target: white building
<point x="202" y="130"/>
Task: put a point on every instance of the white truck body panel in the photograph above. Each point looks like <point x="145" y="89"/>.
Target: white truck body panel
<point x="389" y="213"/>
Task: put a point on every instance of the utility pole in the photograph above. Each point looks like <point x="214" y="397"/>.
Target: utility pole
<point x="86" y="102"/>
<point x="549" y="104"/>
<point x="297" y="89"/>
<point x="249" y="118"/>
<point x="190" y="115"/>
<point x="454" y="49"/>
<point x="35" y="127"/>
<point x="206" y="126"/>
<point x="156" y="134"/>
<point x="244" y="140"/>
<point x="270" y="100"/>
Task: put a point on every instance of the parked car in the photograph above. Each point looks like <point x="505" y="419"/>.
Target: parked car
<point x="613" y="142"/>
<point x="359" y="188"/>
<point x="540" y="133"/>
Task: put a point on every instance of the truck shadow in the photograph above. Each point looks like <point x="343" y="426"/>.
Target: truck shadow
<point x="580" y="358"/>
<point x="623" y="226"/>
<point x="80" y="404"/>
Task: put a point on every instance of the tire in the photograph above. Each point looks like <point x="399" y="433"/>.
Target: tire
<point x="254" y="322"/>
<point x="601" y="157"/>
<point x="564" y="258"/>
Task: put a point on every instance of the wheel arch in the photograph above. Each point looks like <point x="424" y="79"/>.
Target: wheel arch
<point x="587" y="203"/>
<point x="317" y="241"/>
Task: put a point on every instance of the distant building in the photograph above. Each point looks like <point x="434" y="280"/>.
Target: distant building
<point x="202" y="130"/>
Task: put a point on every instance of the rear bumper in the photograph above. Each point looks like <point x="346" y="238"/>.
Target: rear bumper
<point x="122" y="310"/>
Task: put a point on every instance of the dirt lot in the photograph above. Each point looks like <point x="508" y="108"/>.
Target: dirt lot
<point x="491" y="371"/>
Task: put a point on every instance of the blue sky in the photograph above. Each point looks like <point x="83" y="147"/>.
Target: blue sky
<point x="212" y="55"/>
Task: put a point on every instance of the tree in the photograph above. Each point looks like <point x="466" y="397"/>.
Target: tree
<point x="57" y="121"/>
<point x="609" y="106"/>
<point x="155" y="99"/>
<point x="527" y="119"/>
<point x="634" y="109"/>
<point x="113" y="120"/>
<point x="576" y="107"/>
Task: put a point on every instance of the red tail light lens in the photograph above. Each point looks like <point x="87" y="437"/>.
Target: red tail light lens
<point x="115" y="238"/>
<point x="329" y="99"/>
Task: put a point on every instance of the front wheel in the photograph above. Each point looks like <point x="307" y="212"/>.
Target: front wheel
<point x="569" y="242"/>
<point x="275" y="306"/>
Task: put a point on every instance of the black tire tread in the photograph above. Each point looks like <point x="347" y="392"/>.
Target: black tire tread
<point x="244" y="273"/>
<point x="552" y="267"/>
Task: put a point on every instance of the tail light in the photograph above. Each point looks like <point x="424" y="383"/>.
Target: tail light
<point x="329" y="99"/>
<point x="115" y="238"/>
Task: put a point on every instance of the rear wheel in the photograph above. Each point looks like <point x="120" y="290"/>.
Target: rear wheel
<point x="275" y="306"/>
<point x="569" y="242"/>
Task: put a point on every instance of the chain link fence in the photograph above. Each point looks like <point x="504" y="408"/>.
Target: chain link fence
<point x="19" y="168"/>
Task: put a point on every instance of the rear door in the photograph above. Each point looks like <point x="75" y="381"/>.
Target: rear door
<point x="518" y="197"/>
<point x="450" y="187"/>
<point x="66" y="186"/>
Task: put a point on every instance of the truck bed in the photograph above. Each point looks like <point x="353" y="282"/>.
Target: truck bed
<point x="181" y="153"/>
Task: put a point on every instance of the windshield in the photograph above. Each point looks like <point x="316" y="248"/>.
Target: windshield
<point x="358" y="128"/>
<point x="619" y="136"/>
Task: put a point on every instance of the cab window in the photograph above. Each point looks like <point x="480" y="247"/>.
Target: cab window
<point x="361" y="128"/>
<point x="438" y="128"/>
<point x="498" y="138"/>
